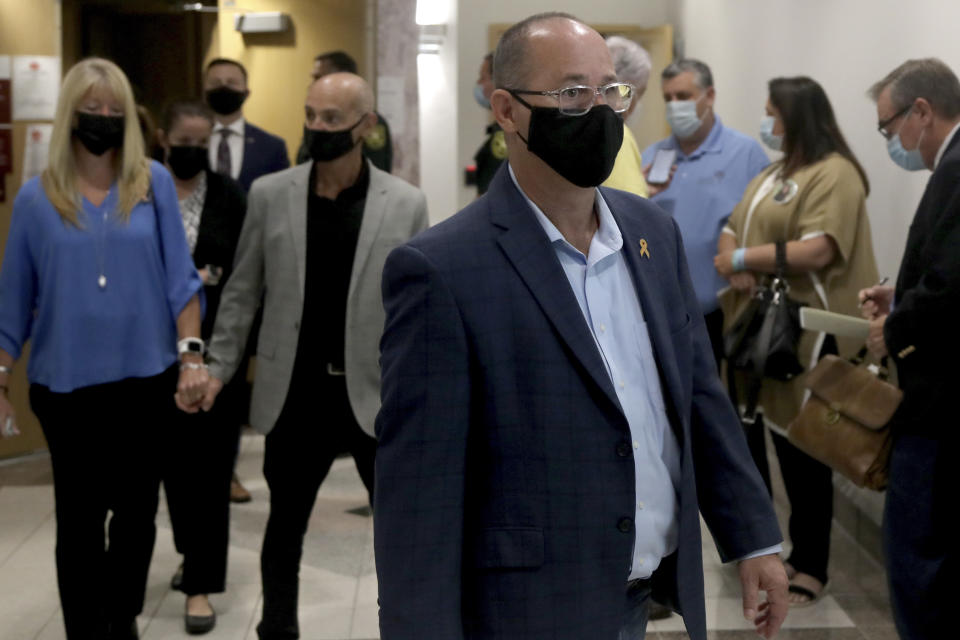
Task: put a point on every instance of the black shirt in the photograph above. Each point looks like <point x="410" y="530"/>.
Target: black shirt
<point x="333" y="227"/>
<point x="489" y="157"/>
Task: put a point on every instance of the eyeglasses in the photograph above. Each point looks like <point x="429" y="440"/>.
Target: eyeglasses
<point x="578" y="100"/>
<point x="882" y="126"/>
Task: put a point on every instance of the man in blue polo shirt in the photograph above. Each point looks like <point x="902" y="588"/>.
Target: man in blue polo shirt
<point x="713" y="166"/>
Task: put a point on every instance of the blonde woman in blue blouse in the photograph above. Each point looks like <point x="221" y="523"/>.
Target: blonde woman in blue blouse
<point x="98" y="276"/>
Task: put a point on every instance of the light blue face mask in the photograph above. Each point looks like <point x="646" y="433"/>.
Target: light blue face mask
<point x="479" y="97"/>
<point x="766" y="133"/>
<point x="682" y="117"/>
<point x="909" y="159"/>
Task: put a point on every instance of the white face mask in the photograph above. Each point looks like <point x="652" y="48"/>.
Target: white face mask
<point x="682" y="117"/>
<point x="766" y="133"/>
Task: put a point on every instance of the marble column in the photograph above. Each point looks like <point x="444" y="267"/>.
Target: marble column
<point x="396" y="48"/>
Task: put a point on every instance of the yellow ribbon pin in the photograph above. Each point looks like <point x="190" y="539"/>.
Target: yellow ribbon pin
<point x="643" y="248"/>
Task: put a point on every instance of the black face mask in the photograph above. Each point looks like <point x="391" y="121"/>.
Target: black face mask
<point x="187" y="161"/>
<point x="582" y="149"/>
<point x="325" y="146"/>
<point x="225" y="100"/>
<point x="99" y="133"/>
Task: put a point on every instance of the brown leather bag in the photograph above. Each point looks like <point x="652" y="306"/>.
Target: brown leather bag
<point x="844" y="423"/>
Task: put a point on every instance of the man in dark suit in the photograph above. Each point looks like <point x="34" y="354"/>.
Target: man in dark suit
<point x="552" y="422"/>
<point x="237" y="148"/>
<point x="918" y="108"/>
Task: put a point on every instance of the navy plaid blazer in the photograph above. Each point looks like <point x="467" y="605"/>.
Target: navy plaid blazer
<point x="504" y="495"/>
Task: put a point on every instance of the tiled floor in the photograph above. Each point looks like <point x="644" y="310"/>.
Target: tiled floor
<point x="338" y="583"/>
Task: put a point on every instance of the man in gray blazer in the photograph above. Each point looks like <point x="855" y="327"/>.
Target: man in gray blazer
<point x="313" y="246"/>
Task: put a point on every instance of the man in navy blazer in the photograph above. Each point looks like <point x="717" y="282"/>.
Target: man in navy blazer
<point x="237" y="148"/>
<point x="552" y="422"/>
<point x="918" y="112"/>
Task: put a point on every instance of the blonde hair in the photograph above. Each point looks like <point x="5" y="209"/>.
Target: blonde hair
<point x="131" y="164"/>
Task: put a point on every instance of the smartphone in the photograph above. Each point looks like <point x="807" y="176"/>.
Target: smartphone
<point x="662" y="163"/>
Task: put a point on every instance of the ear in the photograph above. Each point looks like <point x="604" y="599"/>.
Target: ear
<point x="367" y="124"/>
<point x="162" y="138"/>
<point x="924" y="110"/>
<point x="711" y="95"/>
<point x="501" y="103"/>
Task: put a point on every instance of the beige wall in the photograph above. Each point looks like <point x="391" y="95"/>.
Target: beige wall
<point x="26" y="28"/>
<point x="279" y="65"/>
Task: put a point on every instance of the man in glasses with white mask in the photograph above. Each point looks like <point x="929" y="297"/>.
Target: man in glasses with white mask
<point x="552" y="423"/>
<point x="918" y="113"/>
<point x="714" y="164"/>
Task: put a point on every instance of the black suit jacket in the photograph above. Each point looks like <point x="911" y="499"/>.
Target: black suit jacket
<point x="223" y="211"/>
<point x="505" y="474"/>
<point x="263" y="153"/>
<point x="921" y="332"/>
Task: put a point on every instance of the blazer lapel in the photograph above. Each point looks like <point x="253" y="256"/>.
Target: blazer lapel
<point x="529" y="250"/>
<point x="374" y="211"/>
<point x="644" y="272"/>
<point x="297" y="212"/>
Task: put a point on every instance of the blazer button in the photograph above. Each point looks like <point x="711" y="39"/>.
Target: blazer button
<point x="624" y="449"/>
<point x="625" y="525"/>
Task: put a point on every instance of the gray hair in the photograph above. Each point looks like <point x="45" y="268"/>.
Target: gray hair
<point x="510" y="60"/>
<point x="927" y="78"/>
<point x="631" y="61"/>
<point x="701" y="72"/>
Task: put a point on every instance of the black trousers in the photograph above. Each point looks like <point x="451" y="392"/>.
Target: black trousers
<point x="104" y="448"/>
<point x="197" y="466"/>
<point x="809" y="486"/>
<point x="315" y="425"/>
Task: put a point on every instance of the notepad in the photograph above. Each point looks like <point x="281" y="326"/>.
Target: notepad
<point x="837" y="324"/>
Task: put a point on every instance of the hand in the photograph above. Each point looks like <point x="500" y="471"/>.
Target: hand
<point x="764" y="573"/>
<point x="875" y="301"/>
<point x="744" y="281"/>
<point x="191" y="388"/>
<point x="723" y="263"/>
<point x="875" y="340"/>
<point x="7" y="413"/>
<point x="654" y="189"/>
<point x="214" y="385"/>
<point x="204" y="275"/>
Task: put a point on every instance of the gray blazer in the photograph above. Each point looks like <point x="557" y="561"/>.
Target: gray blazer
<point x="270" y="261"/>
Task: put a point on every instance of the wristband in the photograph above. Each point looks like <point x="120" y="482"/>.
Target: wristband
<point x="190" y="345"/>
<point x="192" y="365"/>
<point x="739" y="260"/>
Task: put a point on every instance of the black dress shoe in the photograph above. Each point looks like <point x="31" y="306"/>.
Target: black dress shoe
<point x="198" y="625"/>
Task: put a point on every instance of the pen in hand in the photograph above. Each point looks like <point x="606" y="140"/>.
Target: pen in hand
<point x="882" y="282"/>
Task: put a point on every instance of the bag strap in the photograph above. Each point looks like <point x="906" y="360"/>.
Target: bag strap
<point x="781" y="252"/>
<point x="761" y="351"/>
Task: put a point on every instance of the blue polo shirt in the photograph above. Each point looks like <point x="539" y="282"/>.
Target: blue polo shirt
<point x="707" y="186"/>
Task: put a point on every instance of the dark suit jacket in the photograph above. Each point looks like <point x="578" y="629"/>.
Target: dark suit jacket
<point x="921" y="332"/>
<point x="505" y="476"/>
<point x="220" y="222"/>
<point x="263" y="153"/>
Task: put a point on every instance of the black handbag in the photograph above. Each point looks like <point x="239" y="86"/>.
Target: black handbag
<point x="762" y="343"/>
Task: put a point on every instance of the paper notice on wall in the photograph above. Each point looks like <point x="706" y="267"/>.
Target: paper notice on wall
<point x="391" y="103"/>
<point x="5" y="63"/>
<point x="36" y="87"/>
<point x="36" y="151"/>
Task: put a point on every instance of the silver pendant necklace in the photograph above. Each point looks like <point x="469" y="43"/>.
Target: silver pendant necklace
<point x="100" y="242"/>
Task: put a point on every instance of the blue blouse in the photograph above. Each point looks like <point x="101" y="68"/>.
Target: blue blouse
<point x="83" y="334"/>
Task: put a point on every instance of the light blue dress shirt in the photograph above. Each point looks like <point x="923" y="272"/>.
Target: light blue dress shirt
<point x="706" y="187"/>
<point x="604" y="288"/>
<point x="82" y="334"/>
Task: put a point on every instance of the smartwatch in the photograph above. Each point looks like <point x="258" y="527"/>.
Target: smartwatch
<point x="190" y="345"/>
